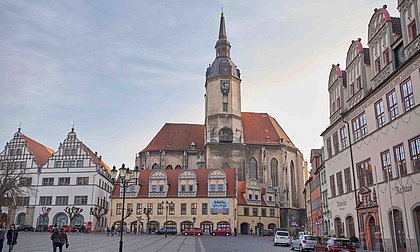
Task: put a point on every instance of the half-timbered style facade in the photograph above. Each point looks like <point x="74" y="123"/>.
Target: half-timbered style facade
<point x="372" y="144"/>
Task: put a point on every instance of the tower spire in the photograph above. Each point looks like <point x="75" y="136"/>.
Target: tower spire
<point x="222" y="29"/>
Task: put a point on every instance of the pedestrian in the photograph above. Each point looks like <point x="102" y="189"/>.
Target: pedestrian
<point x="112" y="230"/>
<point x="55" y="238"/>
<point x="12" y="236"/>
<point x="107" y="231"/>
<point x="251" y="231"/>
<point x="63" y="240"/>
<point x="2" y="234"/>
<point x="235" y="230"/>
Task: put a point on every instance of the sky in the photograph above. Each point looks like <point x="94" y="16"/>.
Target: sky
<point x="121" y="69"/>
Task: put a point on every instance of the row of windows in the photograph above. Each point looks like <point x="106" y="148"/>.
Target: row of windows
<point x="68" y="152"/>
<point x="70" y="163"/>
<point x="160" y="208"/>
<point x="364" y="168"/>
<point x="13" y="164"/>
<point x="62" y="200"/>
<point x="65" y="181"/>
<point x="359" y="124"/>
<point x="255" y="211"/>
<point x="13" y="152"/>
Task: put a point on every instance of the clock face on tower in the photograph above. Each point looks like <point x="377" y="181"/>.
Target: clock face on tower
<point x="225" y="86"/>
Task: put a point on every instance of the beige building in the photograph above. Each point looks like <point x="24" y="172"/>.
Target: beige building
<point x="374" y="110"/>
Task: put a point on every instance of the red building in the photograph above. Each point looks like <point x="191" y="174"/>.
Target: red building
<point x="315" y="192"/>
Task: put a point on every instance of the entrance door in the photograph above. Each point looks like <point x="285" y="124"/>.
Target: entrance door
<point x="399" y="229"/>
<point x="371" y="231"/>
<point x="244" y="228"/>
<point x="206" y="226"/>
<point x="416" y="213"/>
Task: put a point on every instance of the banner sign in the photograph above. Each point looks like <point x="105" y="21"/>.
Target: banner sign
<point x="219" y="206"/>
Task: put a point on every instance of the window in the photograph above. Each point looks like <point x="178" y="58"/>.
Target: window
<point x="347" y="179"/>
<point x="79" y="163"/>
<point x="150" y="208"/>
<point x="204" y="208"/>
<point x="271" y="212"/>
<point x="183" y="188"/>
<point x="190" y="188"/>
<point x="160" y="209"/>
<point x="225" y="106"/>
<point x="256" y="197"/>
<point x="193" y="208"/>
<point x="57" y="163"/>
<point x="359" y="83"/>
<point x="329" y="150"/>
<point x="386" y="57"/>
<point x="161" y="188"/>
<point x="154" y="187"/>
<point x="392" y="105"/>
<point x="64" y="181"/>
<point x="80" y="200"/>
<point x="22" y="201"/>
<point x="74" y="151"/>
<point x="263" y="212"/>
<point x="72" y="163"/>
<point x="415" y="152"/>
<point x="351" y="89"/>
<point x="400" y="159"/>
<point x="212" y="188"/>
<point x="62" y="200"/>
<point x="255" y="211"/>
<point x="378" y="65"/>
<point x="386" y="165"/>
<point x="183" y="208"/>
<point x="139" y="210"/>
<point x="250" y="196"/>
<point x="45" y="200"/>
<point x="343" y="134"/>
<point x="332" y="186"/>
<point x="65" y="164"/>
<point x="25" y="182"/>
<point x="48" y="181"/>
<point x="12" y="152"/>
<point x="246" y="211"/>
<point x="335" y="143"/>
<point x="360" y="126"/>
<point x="407" y="94"/>
<point x="364" y="173"/>
<point x="412" y="30"/>
<point x="18" y="151"/>
<point x="82" y="180"/>
<point x="340" y="183"/>
<point x="129" y="208"/>
<point x="172" y="208"/>
<point x="119" y="208"/>
<point x="380" y="114"/>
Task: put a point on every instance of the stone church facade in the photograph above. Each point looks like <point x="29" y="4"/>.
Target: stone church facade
<point x="253" y="143"/>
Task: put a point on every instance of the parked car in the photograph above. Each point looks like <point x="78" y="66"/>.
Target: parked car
<point x="25" y="227"/>
<point x="192" y="231"/>
<point x="50" y="228"/>
<point x="41" y="228"/>
<point x="166" y="230"/>
<point x="268" y="232"/>
<point x="67" y="228"/>
<point x="281" y="238"/>
<point x="304" y="242"/>
<point x="335" y="244"/>
<point x="222" y="231"/>
<point x="79" y="228"/>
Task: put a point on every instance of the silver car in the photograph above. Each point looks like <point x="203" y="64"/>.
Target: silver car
<point x="303" y="242"/>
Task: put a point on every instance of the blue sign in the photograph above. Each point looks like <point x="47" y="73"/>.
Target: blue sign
<point x="219" y="206"/>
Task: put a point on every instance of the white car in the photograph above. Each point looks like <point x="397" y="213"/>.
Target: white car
<point x="281" y="238"/>
<point x="304" y="242"/>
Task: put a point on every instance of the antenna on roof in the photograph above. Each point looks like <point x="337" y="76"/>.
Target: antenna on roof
<point x="72" y="126"/>
<point x="222" y="12"/>
<point x="20" y="126"/>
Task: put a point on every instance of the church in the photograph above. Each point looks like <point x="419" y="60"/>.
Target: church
<point x="252" y="143"/>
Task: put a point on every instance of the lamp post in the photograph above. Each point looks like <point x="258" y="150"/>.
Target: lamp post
<point x="352" y="169"/>
<point x="125" y="180"/>
<point x="167" y="204"/>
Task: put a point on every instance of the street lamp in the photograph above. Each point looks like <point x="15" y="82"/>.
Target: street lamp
<point x="167" y="204"/>
<point x="125" y="180"/>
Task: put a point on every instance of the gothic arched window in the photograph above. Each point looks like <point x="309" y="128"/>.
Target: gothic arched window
<point x="253" y="171"/>
<point x="155" y="166"/>
<point x="225" y="135"/>
<point x="274" y="165"/>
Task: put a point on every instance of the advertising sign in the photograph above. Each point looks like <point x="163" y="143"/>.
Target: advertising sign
<point x="219" y="206"/>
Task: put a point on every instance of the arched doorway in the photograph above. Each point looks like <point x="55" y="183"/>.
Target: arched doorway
<point x="153" y="226"/>
<point x="133" y="227"/>
<point x="117" y="226"/>
<point x="399" y="228"/>
<point x="338" y="227"/>
<point x="42" y="223"/>
<point x="350" y="226"/>
<point x="206" y="226"/>
<point x="244" y="228"/>
<point x="20" y="219"/>
<point x="60" y="219"/>
<point x="370" y="233"/>
<point x="186" y="225"/>
<point x="170" y="224"/>
<point x="272" y="226"/>
<point x="416" y="218"/>
<point x="223" y="224"/>
<point x="260" y="228"/>
<point x="78" y="220"/>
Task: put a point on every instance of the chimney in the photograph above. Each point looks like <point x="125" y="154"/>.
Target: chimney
<point x="96" y="153"/>
<point x="100" y="158"/>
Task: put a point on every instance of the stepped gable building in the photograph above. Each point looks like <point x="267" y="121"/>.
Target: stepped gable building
<point x="252" y="143"/>
<point x="372" y="145"/>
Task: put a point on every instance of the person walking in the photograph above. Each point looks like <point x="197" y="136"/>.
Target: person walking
<point x="56" y="240"/>
<point x="63" y="240"/>
<point x="2" y="234"/>
<point x="12" y="236"/>
<point x="112" y="230"/>
<point x="107" y="231"/>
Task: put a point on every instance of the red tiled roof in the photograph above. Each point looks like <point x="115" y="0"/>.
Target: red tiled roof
<point x="242" y="193"/>
<point x="172" y="176"/>
<point x="40" y="152"/>
<point x="177" y="136"/>
<point x="95" y="159"/>
<point x="261" y="128"/>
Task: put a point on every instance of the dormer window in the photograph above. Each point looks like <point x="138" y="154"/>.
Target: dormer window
<point x="216" y="183"/>
<point x="187" y="184"/>
<point x="253" y="189"/>
<point x="158" y="184"/>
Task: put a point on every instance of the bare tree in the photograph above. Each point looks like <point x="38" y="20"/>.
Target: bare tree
<point x="45" y="211"/>
<point x="73" y="212"/>
<point x="98" y="213"/>
<point x="147" y="212"/>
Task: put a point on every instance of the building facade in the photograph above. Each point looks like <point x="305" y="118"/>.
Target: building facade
<point x="372" y="144"/>
<point x="315" y="192"/>
<point x="253" y="143"/>
<point x="55" y="182"/>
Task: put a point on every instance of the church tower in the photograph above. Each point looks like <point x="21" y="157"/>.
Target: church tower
<point x="223" y="120"/>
